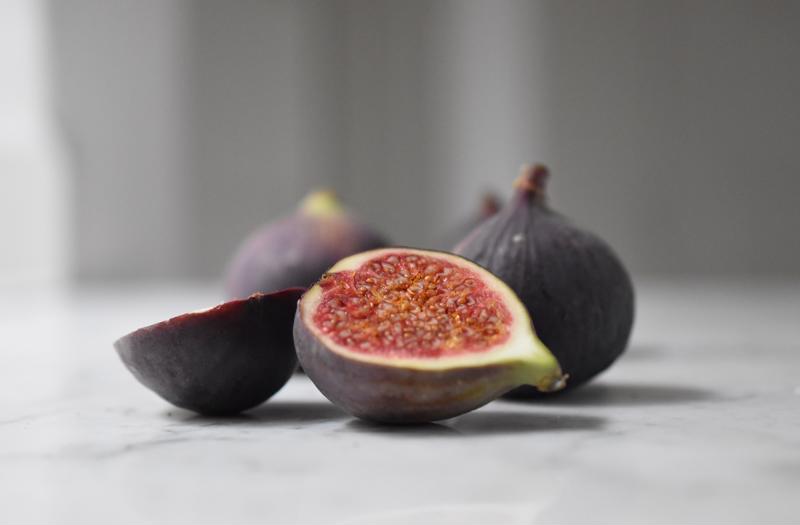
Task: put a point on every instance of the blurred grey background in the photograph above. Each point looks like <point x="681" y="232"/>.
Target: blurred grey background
<point x="671" y="128"/>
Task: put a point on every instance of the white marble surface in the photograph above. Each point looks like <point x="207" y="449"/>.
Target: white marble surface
<point x="699" y="422"/>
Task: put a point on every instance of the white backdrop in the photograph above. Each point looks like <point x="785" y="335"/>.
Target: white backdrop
<point x="671" y="128"/>
<point x="34" y="188"/>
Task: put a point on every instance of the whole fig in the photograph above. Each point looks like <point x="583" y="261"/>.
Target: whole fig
<point x="575" y="288"/>
<point x="297" y="249"/>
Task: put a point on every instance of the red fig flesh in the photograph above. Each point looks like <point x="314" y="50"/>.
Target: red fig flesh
<point x="218" y="361"/>
<point x="404" y="335"/>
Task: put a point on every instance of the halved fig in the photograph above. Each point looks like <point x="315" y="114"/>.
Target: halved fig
<point x="402" y="335"/>
<point x="219" y="361"/>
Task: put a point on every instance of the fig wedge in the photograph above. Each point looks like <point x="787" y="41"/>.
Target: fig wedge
<point x="219" y="361"/>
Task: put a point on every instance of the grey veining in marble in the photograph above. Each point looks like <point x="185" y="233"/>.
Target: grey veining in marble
<point x="699" y="422"/>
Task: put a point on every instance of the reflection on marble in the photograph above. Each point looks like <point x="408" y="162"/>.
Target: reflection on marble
<point x="699" y="422"/>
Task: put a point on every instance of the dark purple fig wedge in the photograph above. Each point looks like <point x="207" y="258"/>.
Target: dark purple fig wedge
<point x="218" y="361"/>
<point x="570" y="280"/>
<point x="402" y="335"/>
<point x="297" y="249"/>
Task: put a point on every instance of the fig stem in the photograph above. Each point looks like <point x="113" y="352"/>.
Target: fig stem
<point x="541" y="370"/>
<point x="321" y="203"/>
<point x="489" y="205"/>
<point x="532" y="180"/>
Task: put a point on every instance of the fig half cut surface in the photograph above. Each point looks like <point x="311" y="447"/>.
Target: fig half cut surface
<point x="400" y="335"/>
<point x="219" y="361"/>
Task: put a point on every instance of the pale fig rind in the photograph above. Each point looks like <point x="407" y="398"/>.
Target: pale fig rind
<point x="390" y="390"/>
<point x="395" y="394"/>
<point x="219" y="361"/>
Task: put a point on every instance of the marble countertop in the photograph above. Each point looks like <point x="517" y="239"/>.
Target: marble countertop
<point x="698" y="422"/>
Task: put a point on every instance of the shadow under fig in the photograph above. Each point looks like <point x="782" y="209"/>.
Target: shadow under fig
<point x="271" y="412"/>
<point x="297" y="411"/>
<point x="623" y="394"/>
<point x="419" y="429"/>
<point x="484" y="423"/>
<point x="493" y="422"/>
<point x="477" y="423"/>
<point x="643" y="352"/>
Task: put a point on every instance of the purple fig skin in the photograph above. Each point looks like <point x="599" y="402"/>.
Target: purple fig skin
<point x="219" y="361"/>
<point x="296" y="250"/>
<point x="575" y="288"/>
<point x="386" y="394"/>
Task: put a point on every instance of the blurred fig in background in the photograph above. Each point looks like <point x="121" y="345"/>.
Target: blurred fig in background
<point x="489" y="205"/>
<point x="297" y="249"/>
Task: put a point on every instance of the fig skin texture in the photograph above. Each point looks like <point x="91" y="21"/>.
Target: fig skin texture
<point x="297" y="249"/>
<point x="219" y="361"/>
<point x="570" y="280"/>
<point x="400" y="390"/>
